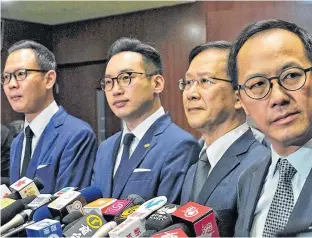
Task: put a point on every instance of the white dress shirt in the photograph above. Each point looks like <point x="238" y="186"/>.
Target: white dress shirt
<point x="37" y="125"/>
<point x="301" y="160"/>
<point x="138" y="132"/>
<point x="216" y="150"/>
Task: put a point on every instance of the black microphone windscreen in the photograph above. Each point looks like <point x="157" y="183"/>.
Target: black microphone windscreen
<point x="10" y="211"/>
<point x="135" y="199"/>
<point x="14" y="196"/>
<point x="71" y="217"/>
<point x="38" y="183"/>
<point x="158" y="221"/>
<point x="6" y="181"/>
<point x="70" y="225"/>
<point x="29" y="199"/>
<point x="148" y="233"/>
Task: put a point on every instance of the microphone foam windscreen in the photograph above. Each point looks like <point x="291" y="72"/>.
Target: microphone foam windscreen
<point x="74" y="215"/>
<point x="29" y="199"/>
<point x="148" y="233"/>
<point x="6" y="181"/>
<point x="39" y="183"/>
<point x="10" y="211"/>
<point x="91" y="193"/>
<point x="135" y="199"/>
<point x="42" y="213"/>
<point x="158" y="221"/>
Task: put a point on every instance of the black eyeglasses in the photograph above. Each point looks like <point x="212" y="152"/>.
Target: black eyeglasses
<point x="186" y="84"/>
<point x="291" y="79"/>
<point x="19" y="75"/>
<point x="123" y="80"/>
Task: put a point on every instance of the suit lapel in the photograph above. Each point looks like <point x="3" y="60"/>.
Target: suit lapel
<point x="225" y="165"/>
<point x="45" y="143"/>
<point x="255" y="188"/>
<point x="109" y="167"/>
<point x="16" y="158"/>
<point x="150" y="137"/>
<point x="126" y="168"/>
<point x="301" y="215"/>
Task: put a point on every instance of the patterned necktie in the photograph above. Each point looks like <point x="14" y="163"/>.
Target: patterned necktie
<point x="29" y="135"/>
<point x="127" y="140"/>
<point x="283" y="200"/>
<point x="200" y="176"/>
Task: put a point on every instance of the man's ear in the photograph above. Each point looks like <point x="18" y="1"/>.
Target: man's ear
<point x="239" y="104"/>
<point x="158" y="83"/>
<point x="50" y="78"/>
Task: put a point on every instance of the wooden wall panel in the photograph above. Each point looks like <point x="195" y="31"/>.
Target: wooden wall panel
<point x="15" y="31"/>
<point x="224" y="20"/>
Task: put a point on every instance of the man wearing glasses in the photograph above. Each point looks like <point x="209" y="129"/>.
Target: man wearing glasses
<point x="211" y="108"/>
<point x="270" y="65"/>
<point x="53" y="146"/>
<point x="151" y="155"/>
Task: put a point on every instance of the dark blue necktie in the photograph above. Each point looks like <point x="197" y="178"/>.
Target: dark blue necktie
<point x="127" y="140"/>
<point x="29" y="135"/>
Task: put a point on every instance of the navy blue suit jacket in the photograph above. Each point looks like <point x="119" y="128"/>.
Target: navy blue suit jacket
<point x="170" y="153"/>
<point x="249" y="191"/>
<point x="219" y="191"/>
<point x="63" y="157"/>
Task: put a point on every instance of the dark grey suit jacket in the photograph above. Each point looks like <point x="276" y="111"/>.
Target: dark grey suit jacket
<point x="220" y="189"/>
<point x="249" y="190"/>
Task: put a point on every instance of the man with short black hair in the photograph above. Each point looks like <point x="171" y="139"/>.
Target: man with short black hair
<point x="270" y="65"/>
<point x="229" y="145"/>
<point x="53" y="146"/>
<point x="151" y="155"/>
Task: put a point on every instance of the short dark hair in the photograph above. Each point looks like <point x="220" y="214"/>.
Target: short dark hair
<point x="152" y="61"/>
<point x="261" y="26"/>
<point x="221" y="45"/>
<point x="45" y="58"/>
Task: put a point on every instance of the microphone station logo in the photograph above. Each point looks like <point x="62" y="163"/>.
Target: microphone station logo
<point x="117" y="206"/>
<point x="129" y="211"/>
<point x="206" y="229"/>
<point x="190" y="212"/>
<point x="94" y="221"/>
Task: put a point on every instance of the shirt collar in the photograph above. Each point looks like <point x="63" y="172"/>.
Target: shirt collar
<point x="300" y="160"/>
<point x="216" y="150"/>
<point x="142" y="128"/>
<point x="40" y="122"/>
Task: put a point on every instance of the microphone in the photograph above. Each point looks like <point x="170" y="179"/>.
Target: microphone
<point x="5" y="180"/>
<point x="200" y="219"/>
<point x="149" y="207"/>
<point x="10" y="211"/>
<point x="125" y="214"/>
<point x="86" y="226"/>
<point x="16" y="221"/>
<point x="103" y="230"/>
<point x="64" y="190"/>
<point x="19" y="231"/>
<point x="39" y="201"/>
<point x="4" y="202"/>
<point x="45" y="228"/>
<point x="99" y="205"/>
<point x="161" y="218"/>
<point x="134" y="225"/>
<point x="73" y="216"/>
<point x="122" y="214"/>
<point x="176" y="230"/>
<point x="63" y="204"/>
<point x="41" y="213"/>
<point x="5" y="191"/>
<point x="26" y="187"/>
<point x="148" y="233"/>
<point x="131" y="227"/>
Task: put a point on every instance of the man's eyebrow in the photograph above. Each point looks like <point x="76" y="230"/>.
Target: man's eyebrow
<point x="120" y="72"/>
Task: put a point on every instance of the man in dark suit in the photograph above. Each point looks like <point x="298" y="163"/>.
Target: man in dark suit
<point x="6" y="140"/>
<point x="151" y="155"/>
<point x="229" y="145"/>
<point x="270" y="65"/>
<point x="53" y="146"/>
